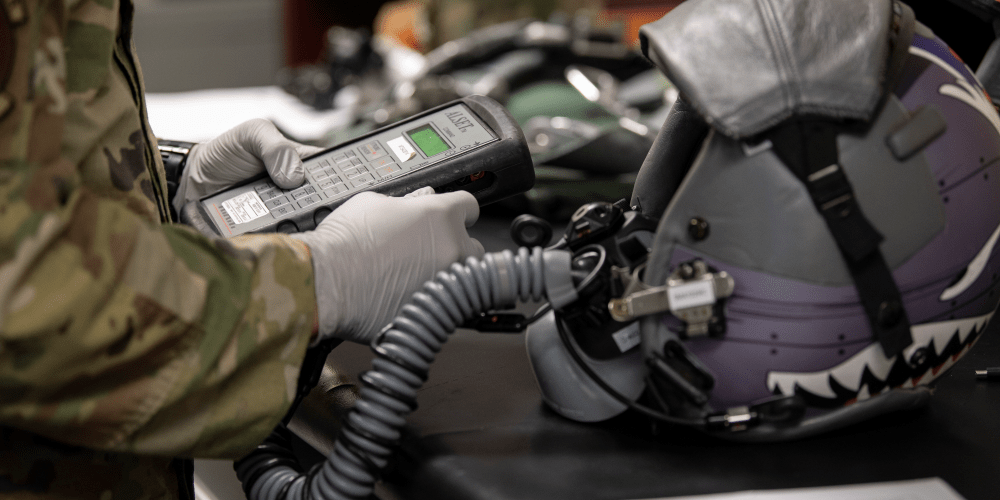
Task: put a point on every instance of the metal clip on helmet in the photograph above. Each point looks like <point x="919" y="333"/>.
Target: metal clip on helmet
<point x="826" y="190"/>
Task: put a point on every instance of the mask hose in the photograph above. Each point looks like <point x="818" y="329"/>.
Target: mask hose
<point x="404" y="354"/>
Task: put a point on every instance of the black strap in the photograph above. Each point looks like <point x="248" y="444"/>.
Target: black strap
<point x="809" y="148"/>
<point x="184" y="468"/>
<point x="174" y="155"/>
<point x="312" y="368"/>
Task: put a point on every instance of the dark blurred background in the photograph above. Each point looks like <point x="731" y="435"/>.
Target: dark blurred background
<point x="199" y="44"/>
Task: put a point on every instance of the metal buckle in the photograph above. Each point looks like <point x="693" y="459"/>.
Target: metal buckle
<point x="735" y="419"/>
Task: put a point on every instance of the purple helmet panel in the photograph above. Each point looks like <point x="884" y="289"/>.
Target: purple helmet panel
<point x="963" y="160"/>
<point x="744" y="366"/>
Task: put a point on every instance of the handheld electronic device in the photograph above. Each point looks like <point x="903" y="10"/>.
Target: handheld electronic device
<point x="471" y="144"/>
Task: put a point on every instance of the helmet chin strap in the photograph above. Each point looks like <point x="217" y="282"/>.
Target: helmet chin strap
<point x="808" y="147"/>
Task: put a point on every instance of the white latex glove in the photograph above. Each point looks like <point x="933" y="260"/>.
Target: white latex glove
<point x="374" y="251"/>
<point x="239" y="154"/>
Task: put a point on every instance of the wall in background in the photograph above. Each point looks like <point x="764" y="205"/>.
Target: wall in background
<point x="199" y="44"/>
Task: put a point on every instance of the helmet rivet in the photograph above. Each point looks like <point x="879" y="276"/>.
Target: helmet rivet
<point x="889" y="313"/>
<point x="686" y="271"/>
<point x="698" y="228"/>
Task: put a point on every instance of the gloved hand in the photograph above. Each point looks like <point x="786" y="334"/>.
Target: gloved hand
<point x="238" y="154"/>
<point x="374" y="251"/>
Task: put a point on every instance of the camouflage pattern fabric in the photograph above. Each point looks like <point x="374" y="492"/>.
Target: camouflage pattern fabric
<point x="125" y="341"/>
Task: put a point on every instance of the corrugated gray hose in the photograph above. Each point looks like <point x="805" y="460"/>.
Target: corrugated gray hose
<point x="404" y="353"/>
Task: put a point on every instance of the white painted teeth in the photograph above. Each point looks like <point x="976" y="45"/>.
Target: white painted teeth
<point x="942" y="332"/>
<point x="863" y="393"/>
<point x="817" y="383"/>
<point x="848" y="374"/>
<point x="781" y="382"/>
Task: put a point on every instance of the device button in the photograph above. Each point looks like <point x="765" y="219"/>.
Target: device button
<point x="335" y="190"/>
<point x="326" y="184"/>
<point x="372" y="150"/>
<point x="308" y="200"/>
<point x="276" y="202"/>
<point x="355" y="161"/>
<point x="279" y="212"/>
<point x="362" y="180"/>
<point x="270" y="193"/>
<point x="287" y="227"/>
<point x="303" y="192"/>
<point x="321" y="214"/>
<point x="264" y="186"/>
<point x="322" y="174"/>
<point x="387" y="170"/>
<point x="358" y="172"/>
<point x="381" y="162"/>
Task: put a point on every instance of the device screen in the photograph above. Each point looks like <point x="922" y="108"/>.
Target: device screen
<point x="428" y="140"/>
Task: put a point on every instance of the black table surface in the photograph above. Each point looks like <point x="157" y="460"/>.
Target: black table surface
<point x="482" y="432"/>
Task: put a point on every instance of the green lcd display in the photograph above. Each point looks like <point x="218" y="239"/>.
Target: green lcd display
<point x="428" y="140"/>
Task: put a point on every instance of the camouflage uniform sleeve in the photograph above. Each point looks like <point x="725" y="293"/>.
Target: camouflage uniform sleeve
<point x="117" y="333"/>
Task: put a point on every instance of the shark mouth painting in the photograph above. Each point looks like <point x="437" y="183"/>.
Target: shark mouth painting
<point x="869" y="373"/>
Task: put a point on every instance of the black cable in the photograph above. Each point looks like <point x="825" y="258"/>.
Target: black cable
<point x="586" y="282"/>
<point x="558" y="245"/>
<point x="654" y="389"/>
<point x="538" y="315"/>
<point x="597" y="269"/>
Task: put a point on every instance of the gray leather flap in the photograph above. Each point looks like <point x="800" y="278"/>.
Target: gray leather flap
<point x="746" y="65"/>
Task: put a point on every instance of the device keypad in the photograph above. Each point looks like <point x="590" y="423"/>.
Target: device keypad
<point x="329" y="178"/>
<point x="337" y="173"/>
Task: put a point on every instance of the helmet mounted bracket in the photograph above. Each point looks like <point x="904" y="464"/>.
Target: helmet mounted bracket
<point x="693" y="294"/>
